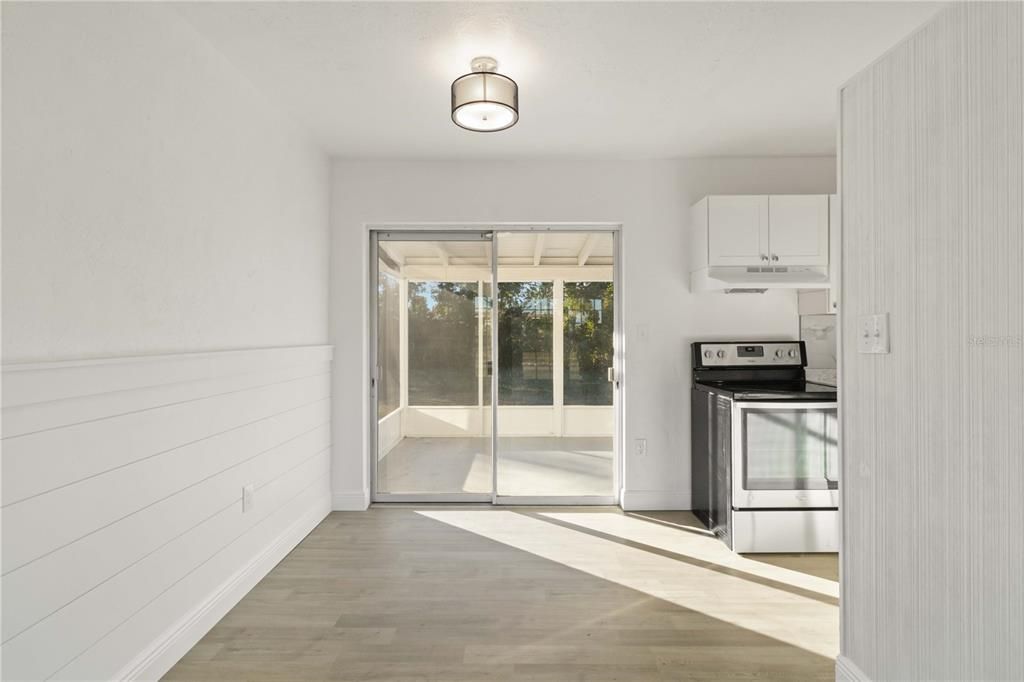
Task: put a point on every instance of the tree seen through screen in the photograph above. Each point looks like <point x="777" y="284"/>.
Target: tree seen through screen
<point x="445" y="334"/>
<point x="588" y="342"/>
<point x="443" y="343"/>
<point x="525" y="367"/>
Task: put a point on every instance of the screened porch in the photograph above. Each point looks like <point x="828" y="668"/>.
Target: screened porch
<point x="552" y="352"/>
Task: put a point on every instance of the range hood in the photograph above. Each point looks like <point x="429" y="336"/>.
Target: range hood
<point x="739" y="278"/>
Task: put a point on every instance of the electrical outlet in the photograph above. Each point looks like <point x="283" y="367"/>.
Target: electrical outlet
<point x="640" y="445"/>
<point x="873" y="333"/>
<point x="248" y="497"/>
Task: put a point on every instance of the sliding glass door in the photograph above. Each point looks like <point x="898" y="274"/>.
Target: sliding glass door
<point x="556" y="359"/>
<point x="533" y="309"/>
<point x="433" y="385"/>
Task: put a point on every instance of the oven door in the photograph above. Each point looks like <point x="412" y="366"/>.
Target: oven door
<point x="785" y="455"/>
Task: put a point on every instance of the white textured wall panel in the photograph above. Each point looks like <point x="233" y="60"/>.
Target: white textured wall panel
<point x="119" y="523"/>
<point x="933" y="433"/>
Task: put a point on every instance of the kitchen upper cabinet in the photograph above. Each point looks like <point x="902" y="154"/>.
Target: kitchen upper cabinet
<point x="748" y="242"/>
<point x="762" y="230"/>
<point x="798" y="229"/>
<point x="738" y="229"/>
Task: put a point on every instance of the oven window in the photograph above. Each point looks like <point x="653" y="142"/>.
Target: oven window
<point x="790" y="449"/>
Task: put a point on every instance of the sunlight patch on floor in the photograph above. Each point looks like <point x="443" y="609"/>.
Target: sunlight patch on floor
<point x="700" y="547"/>
<point x="801" y="621"/>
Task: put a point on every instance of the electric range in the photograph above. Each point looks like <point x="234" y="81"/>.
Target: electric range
<point x="764" y="448"/>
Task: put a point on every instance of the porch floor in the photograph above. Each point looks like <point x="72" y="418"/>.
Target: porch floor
<point x="539" y="466"/>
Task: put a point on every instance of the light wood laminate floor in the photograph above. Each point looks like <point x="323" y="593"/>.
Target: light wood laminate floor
<point x="432" y="592"/>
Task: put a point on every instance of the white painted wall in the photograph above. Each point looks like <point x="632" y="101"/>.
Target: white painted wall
<point x="650" y="199"/>
<point x="154" y="205"/>
<point x="933" y="209"/>
<point x="154" y="202"/>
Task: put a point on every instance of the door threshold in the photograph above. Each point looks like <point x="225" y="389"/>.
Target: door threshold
<point x="556" y="501"/>
<point x="433" y="505"/>
<point x="593" y="502"/>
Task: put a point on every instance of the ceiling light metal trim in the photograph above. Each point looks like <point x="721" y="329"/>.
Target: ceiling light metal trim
<point x="482" y="94"/>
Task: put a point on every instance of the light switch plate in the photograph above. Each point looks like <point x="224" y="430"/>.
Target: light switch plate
<point x="873" y="333"/>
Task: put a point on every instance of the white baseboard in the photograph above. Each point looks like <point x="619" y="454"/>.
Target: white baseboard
<point x="654" y="500"/>
<point x="350" y="500"/>
<point x="153" y="662"/>
<point x="847" y="671"/>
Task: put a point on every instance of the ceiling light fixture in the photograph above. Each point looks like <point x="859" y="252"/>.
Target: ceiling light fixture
<point x="485" y="101"/>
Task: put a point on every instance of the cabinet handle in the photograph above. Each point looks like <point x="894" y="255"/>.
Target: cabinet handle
<point x="774" y="257"/>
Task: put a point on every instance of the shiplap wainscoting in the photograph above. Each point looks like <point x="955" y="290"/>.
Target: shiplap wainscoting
<point x="124" y="537"/>
<point x="933" y="432"/>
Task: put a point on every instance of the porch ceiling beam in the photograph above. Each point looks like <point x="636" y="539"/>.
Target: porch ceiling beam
<point x="391" y="253"/>
<point x="443" y="254"/>
<point x="538" y="248"/>
<point x="586" y="250"/>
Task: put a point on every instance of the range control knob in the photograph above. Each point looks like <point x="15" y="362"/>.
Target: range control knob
<point x="792" y="353"/>
<point x="708" y="354"/>
<point x="778" y="353"/>
<point x="720" y="353"/>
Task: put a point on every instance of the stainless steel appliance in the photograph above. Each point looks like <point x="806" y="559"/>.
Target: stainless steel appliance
<point x="765" y="467"/>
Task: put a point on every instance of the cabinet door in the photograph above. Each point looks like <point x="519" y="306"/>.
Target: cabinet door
<point x="798" y="229"/>
<point x="738" y="230"/>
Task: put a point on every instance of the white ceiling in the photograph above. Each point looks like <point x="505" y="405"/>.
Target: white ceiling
<point x="597" y="80"/>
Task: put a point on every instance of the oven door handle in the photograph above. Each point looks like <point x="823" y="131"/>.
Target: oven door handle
<point x="785" y="405"/>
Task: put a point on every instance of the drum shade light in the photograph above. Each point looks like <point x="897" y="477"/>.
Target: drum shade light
<point x="484" y="100"/>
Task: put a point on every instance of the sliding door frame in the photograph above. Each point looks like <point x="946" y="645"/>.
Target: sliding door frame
<point x="488" y="232"/>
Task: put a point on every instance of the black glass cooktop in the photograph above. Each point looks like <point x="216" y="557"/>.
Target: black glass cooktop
<point x="770" y="390"/>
